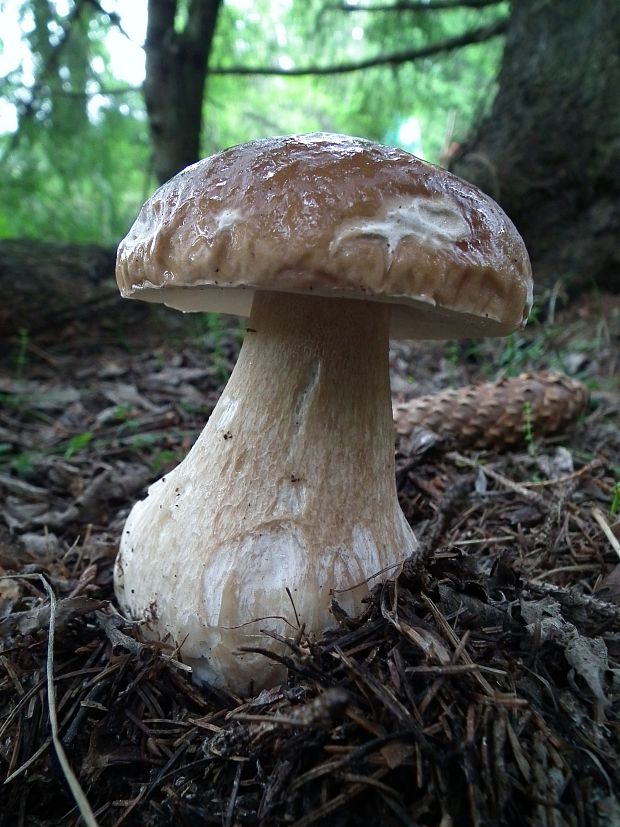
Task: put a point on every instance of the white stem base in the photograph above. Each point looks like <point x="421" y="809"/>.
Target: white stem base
<point x="290" y="486"/>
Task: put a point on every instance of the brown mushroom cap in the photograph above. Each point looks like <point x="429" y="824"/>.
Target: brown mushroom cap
<point x="334" y="216"/>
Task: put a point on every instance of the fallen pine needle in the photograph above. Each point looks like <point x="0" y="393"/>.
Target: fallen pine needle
<point x="560" y="569"/>
<point x="526" y="493"/>
<point x="74" y="785"/>
<point x="600" y="519"/>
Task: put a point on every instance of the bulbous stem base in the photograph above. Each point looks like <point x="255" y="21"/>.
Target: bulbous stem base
<point x="288" y="494"/>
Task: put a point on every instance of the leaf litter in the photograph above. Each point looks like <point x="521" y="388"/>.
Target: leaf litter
<point x="480" y="686"/>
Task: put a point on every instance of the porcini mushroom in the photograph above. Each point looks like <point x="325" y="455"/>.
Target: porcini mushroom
<point x="329" y="244"/>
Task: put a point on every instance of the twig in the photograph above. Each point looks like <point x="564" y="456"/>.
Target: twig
<point x="230" y="812"/>
<point x="460" y="651"/>
<point x="506" y="538"/>
<point x="74" y="785"/>
<point x="574" y="599"/>
<point x="540" y="578"/>
<point x="591" y="466"/>
<point x="35" y="755"/>
<point x="338" y="801"/>
<point x="600" y="519"/>
<point x="454" y="456"/>
<point x="147" y="789"/>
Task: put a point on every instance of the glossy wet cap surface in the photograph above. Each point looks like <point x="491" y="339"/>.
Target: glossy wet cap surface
<point x="337" y="216"/>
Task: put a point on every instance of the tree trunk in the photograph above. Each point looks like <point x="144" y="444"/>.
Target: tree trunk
<point x="549" y="151"/>
<point x="176" y="70"/>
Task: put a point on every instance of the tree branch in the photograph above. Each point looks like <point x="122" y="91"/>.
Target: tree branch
<point x="395" y="58"/>
<point x="434" y="5"/>
<point x="88" y="94"/>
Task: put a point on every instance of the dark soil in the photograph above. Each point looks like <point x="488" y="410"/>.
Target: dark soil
<point x="480" y="687"/>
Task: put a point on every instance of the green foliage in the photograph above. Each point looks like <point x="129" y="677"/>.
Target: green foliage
<point x="164" y="459"/>
<point x="124" y="413"/>
<point x="614" y="507"/>
<point x="23" y="464"/>
<point x="209" y="331"/>
<point x="77" y="443"/>
<point x="446" y="93"/>
<point x="78" y="167"/>
<point x="519" y="354"/>
<point x="20" y="354"/>
<point x="83" y="189"/>
<point x="452" y="356"/>
<point x="528" y="430"/>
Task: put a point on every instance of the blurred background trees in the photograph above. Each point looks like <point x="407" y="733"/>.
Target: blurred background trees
<point x="85" y="134"/>
<point x="549" y="148"/>
<point x="177" y="53"/>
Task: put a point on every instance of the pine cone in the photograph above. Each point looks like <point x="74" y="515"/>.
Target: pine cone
<point x="496" y="414"/>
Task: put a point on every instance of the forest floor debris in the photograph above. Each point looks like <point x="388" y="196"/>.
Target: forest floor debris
<point x="480" y="686"/>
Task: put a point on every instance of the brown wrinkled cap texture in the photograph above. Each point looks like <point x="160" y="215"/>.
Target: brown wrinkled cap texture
<point x="335" y="216"/>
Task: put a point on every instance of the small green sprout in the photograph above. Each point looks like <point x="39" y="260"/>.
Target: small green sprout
<point x="77" y="443"/>
<point x="528" y="430"/>
<point x="22" y="349"/>
<point x="614" y="507"/>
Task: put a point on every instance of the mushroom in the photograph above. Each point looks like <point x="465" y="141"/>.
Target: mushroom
<point x="329" y="244"/>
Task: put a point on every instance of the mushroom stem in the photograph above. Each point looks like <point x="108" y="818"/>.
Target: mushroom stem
<point x="290" y="486"/>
